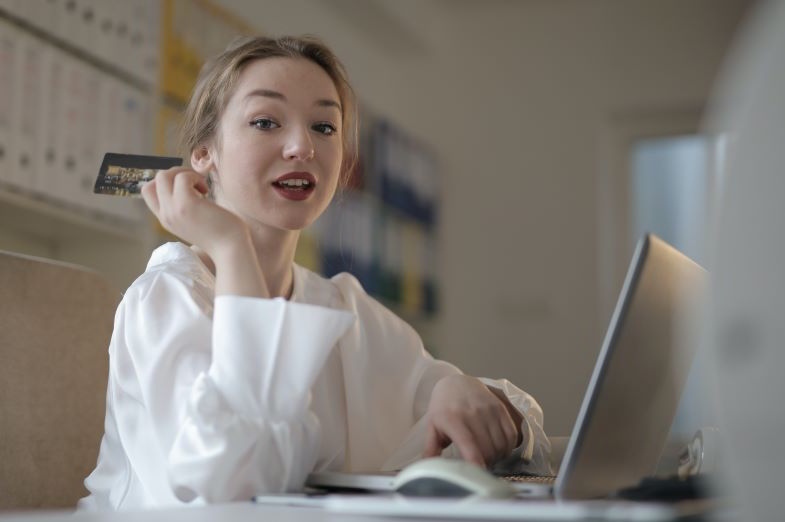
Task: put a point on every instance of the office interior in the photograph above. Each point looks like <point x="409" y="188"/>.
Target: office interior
<point x="553" y="131"/>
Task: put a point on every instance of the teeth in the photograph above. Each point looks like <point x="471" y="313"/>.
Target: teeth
<point x="295" y="183"/>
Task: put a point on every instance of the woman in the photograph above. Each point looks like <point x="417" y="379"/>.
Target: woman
<point x="234" y="371"/>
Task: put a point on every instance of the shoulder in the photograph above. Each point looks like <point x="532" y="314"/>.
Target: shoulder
<point x="339" y="291"/>
<point x="174" y="273"/>
<point x="164" y="317"/>
<point x="347" y="292"/>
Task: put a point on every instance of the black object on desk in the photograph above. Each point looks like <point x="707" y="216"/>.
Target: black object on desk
<point x="669" y="489"/>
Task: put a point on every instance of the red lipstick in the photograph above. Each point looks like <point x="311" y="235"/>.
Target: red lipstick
<point x="295" y="186"/>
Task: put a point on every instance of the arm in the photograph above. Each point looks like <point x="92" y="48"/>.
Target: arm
<point x="394" y="365"/>
<point x="176" y="197"/>
<point x="223" y="404"/>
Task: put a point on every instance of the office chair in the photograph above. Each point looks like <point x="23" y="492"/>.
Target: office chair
<point x="55" y="324"/>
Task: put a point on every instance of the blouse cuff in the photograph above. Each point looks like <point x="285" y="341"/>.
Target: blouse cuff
<point x="527" y="445"/>
<point x="526" y="448"/>
<point x="267" y="353"/>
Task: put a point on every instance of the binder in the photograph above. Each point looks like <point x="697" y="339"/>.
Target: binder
<point x="48" y="153"/>
<point x="47" y="15"/>
<point x="25" y="10"/>
<point x="411" y="267"/>
<point x="66" y="182"/>
<point x="148" y="19"/>
<point x="27" y="111"/>
<point x="66" y="22"/>
<point x="85" y="25"/>
<point x="120" y="52"/>
<point x="9" y="6"/>
<point x="130" y="122"/>
<point x="137" y="37"/>
<point x="391" y="259"/>
<point x="357" y="224"/>
<point x="136" y="121"/>
<point x="111" y="120"/>
<point x="107" y="103"/>
<point x="150" y="47"/>
<point x="140" y="140"/>
<point x="88" y="151"/>
<point x="9" y="43"/>
<point x="104" y="30"/>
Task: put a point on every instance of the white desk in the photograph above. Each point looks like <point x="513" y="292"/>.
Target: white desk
<point x="247" y="511"/>
<point x="235" y="512"/>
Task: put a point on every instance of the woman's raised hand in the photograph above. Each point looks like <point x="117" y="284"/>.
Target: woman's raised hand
<point x="177" y="198"/>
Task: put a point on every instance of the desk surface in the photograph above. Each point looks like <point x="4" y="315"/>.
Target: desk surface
<point x="425" y="511"/>
<point x="235" y="512"/>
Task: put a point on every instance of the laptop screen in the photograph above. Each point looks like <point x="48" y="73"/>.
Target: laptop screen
<point x="634" y="391"/>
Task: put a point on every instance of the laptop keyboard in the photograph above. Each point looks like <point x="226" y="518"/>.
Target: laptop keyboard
<point x="535" y="479"/>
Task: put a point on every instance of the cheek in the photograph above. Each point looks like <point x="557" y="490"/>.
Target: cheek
<point x="334" y="160"/>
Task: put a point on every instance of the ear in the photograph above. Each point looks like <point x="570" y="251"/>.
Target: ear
<point x="202" y="160"/>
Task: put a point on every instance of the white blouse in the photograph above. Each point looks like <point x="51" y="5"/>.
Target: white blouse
<point x="219" y="398"/>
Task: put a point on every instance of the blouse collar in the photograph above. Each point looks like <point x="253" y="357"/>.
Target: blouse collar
<point x="307" y="288"/>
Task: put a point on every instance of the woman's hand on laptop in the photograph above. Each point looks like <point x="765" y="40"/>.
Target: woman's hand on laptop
<point x="464" y="412"/>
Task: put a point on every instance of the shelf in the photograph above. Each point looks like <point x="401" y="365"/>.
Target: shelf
<point x="68" y="47"/>
<point x="49" y="219"/>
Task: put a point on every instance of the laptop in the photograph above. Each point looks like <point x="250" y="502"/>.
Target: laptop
<point x="634" y="391"/>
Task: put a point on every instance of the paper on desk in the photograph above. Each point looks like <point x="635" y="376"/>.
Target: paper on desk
<point x="291" y="499"/>
<point x="494" y="509"/>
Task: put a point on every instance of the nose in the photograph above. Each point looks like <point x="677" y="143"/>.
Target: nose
<point x="299" y="145"/>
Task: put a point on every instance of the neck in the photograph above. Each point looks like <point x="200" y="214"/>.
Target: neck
<point x="275" y="254"/>
<point x="275" y="251"/>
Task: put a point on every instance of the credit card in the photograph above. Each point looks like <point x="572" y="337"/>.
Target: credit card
<point x="126" y="174"/>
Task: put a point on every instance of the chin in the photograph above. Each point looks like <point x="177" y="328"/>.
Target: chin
<point x="294" y="223"/>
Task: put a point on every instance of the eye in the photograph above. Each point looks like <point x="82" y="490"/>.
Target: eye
<point x="264" y="124"/>
<point x="328" y="129"/>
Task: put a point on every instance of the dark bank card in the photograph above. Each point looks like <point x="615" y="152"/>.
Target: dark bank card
<point x="126" y="174"/>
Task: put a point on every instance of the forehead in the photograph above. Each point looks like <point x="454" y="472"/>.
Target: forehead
<point x="298" y="79"/>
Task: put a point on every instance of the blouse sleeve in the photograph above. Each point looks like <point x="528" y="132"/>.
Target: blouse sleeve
<point x="393" y="386"/>
<point x="533" y="454"/>
<point x="218" y="409"/>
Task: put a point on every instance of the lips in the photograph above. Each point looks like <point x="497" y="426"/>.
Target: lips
<point x="295" y="186"/>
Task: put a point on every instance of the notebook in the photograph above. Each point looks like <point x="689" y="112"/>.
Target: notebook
<point x="634" y="391"/>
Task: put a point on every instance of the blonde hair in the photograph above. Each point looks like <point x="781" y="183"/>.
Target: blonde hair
<point x="218" y="78"/>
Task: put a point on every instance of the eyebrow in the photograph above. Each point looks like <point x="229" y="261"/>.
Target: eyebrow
<point x="269" y="93"/>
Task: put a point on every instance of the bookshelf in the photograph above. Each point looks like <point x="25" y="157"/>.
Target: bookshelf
<point x="127" y="68"/>
<point x="66" y="99"/>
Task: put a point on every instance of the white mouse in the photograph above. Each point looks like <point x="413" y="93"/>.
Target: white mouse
<point x="441" y="477"/>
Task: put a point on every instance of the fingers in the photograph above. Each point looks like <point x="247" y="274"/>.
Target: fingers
<point x="472" y="441"/>
<point x="482" y="437"/>
<point x="465" y="412"/>
<point x="505" y="432"/>
<point x="189" y="184"/>
<point x="468" y="444"/>
<point x="169" y="195"/>
<point x="434" y="444"/>
<point x="491" y="439"/>
<point x="150" y="196"/>
<point x="499" y="442"/>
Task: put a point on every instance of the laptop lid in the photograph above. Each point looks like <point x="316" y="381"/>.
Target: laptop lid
<point x="639" y="376"/>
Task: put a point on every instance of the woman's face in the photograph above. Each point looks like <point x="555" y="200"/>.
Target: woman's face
<point x="277" y="156"/>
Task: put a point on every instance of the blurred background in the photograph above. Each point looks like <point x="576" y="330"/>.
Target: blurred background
<point x="512" y="153"/>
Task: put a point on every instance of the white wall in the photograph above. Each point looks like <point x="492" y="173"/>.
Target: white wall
<point x="518" y="98"/>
